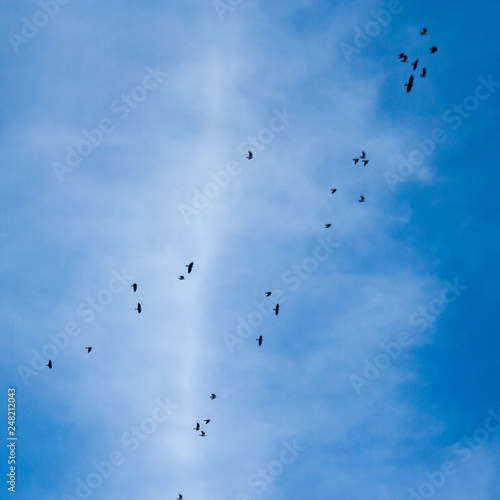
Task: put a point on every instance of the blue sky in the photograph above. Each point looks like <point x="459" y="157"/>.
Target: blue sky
<point x="124" y="130"/>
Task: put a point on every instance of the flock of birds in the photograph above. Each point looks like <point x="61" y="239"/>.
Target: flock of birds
<point x="404" y="58"/>
<point x="363" y="158"/>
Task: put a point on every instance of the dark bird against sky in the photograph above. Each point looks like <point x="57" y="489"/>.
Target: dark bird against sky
<point x="259" y="340"/>
<point x="250" y="155"/>
<point x="134" y="286"/>
<point x="409" y="85"/>
<point x="190" y="267"/>
<point x="138" y="308"/>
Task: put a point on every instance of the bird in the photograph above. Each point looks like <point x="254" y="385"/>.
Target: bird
<point x="134" y="286"/>
<point x="276" y="309"/>
<point x="88" y="349"/>
<point x="433" y="49"/>
<point x="327" y="226"/>
<point x="363" y="155"/>
<point x="49" y="364"/>
<point x="355" y="160"/>
<point x="424" y="31"/>
<point x="213" y="396"/>
<point x="424" y="73"/>
<point x="138" y="308"/>
<point x="202" y="434"/>
<point x="259" y="340"/>
<point x="268" y="294"/>
<point x="181" y="277"/>
<point x="197" y="428"/>
<point x="180" y="497"/>
<point x="403" y="57"/>
<point x="365" y="162"/>
<point x="190" y="267"/>
<point x="361" y="199"/>
<point x="207" y="420"/>
<point x="333" y="191"/>
<point x="415" y="64"/>
<point x="409" y="85"/>
<point x="250" y="155"/>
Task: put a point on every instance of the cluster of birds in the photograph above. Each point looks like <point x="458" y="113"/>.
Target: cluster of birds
<point x="404" y="58"/>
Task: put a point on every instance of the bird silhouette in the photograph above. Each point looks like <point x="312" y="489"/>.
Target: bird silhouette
<point x="190" y="267"/>
<point x="181" y="278"/>
<point x="180" y="497"/>
<point x="207" y="420"/>
<point x="361" y="199"/>
<point x="327" y="226"/>
<point x="409" y="85"/>
<point x="276" y="309"/>
<point x="433" y="50"/>
<point x="197" y="428"/>
<point x="363" y="155"/>
<point x="134" y="286"/>
<point x="268" y="294"/>
<point x="403" y="57"/>
<point x="202" y="434"/>
<point x="259" y="340"/>
<point x="333" y="191"/>
<point x="250" y="155"/>
<point x="415" y="64"/>
<point x="365" y="162"/>
<point x="355" y="160"/>
<point x="424" y="31"/>
<point x="138" y="308"/>
<point x="424" y="73"/>
<point x="88" y="349"/>
<point x="49" y="364"/>
<point x="213" y="396"/>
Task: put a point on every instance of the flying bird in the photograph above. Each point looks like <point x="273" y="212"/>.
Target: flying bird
<point x="355" y="160"/>
<point x="415" y="64"/>
<point x="361" y="199"/>
<point x="181" y="278"/>
<point x="433" y="50"/>
<point x="403" y="57"/>
<point x="365" y="162"/>
<point x="409" y="85"/>
<point x="134" y="286"/>
<point x="333" y="190"/>
<point x="138" y="308"/>
<point x="424" y="31"/>
<point x="363" y="155"/>
<point x="190" y="267"/>
<point x="268" y="294"/>
<point x="213" y="396"/>
<point x="197" y="428"/>
<point x="327" y="226"/>
<point x="250" y="155"/>
<point x="276" y="309"/>
<point x="424" y="73"/>
<point x="49" y="364"/>
<point x="202" y="434"/>
<point x="207" y="420"/>
<point x="180" y="497"/>
<point x="88" y="349"/>
<point x="259" y="340"/>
